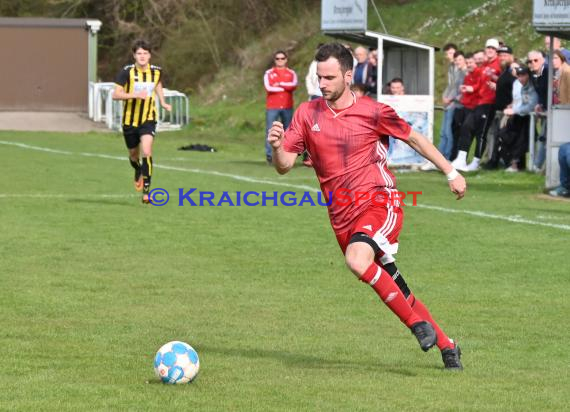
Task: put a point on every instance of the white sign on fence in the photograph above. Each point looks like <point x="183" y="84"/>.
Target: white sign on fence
<point x="551" y="14"/>
<point x="417" y="111"/>
<point x="344" y="15"/>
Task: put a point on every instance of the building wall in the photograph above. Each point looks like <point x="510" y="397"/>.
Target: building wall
<point x="44" y="68"/>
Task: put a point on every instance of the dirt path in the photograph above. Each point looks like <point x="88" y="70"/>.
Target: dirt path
<point x="49" y="122"/>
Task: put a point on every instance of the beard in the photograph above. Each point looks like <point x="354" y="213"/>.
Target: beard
<point x="505" y="64"/>
<point x="333" y="95"/>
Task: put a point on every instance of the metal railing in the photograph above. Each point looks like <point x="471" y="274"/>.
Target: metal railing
<point x="534" y="116"/>
<point x="102" y="108"/>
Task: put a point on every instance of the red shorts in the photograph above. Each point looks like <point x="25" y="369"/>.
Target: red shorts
<point x="382" y="225"/>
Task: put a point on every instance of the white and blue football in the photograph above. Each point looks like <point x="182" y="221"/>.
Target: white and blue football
<point x="176" y="362"/>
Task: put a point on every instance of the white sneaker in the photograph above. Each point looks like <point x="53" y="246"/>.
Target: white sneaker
<point x="459" y="165"/>
<point x="534" y="169"/>
<point x="511" y="169"/>
<point x="472" y="167"/>
<point x="428" y="166"/>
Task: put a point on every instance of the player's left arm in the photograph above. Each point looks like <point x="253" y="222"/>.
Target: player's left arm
<point x="425" y="148"/>
<point x="160" y="93"/>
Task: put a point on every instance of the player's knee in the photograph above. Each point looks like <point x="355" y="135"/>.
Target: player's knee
<point x="358" y="259"/>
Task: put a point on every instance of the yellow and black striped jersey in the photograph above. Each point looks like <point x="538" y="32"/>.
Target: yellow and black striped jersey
<point x="133" y="79"/>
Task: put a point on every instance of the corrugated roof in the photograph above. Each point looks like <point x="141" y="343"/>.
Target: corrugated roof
<point x="43" y="22"/>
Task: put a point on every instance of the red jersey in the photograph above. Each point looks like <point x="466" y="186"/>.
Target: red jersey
<point x="470" y="100"/>
<point x="348" y="149"/>
<point x="490" y="72"/>
<point x="279" y="85"/>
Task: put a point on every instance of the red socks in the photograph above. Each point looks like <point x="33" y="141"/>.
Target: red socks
<point x="419" y="308"/>
<point x="391" y="295"/>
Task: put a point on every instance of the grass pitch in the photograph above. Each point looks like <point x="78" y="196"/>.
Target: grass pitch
<point x="93" y="283"/>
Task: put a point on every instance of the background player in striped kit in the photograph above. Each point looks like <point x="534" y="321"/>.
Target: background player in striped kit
<point x="138" y="85"/>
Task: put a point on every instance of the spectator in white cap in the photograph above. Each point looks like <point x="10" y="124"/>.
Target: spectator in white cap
<point x="504" y="97"/>
<point x="492" y="43"/>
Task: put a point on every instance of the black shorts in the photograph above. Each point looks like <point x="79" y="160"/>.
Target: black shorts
<point x="133" y="134"/>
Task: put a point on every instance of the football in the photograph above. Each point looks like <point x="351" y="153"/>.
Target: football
<point x="176" y="363"/>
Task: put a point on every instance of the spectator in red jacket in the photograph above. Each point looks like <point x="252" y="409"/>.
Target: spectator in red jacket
<point x="280" y="82"/>
<point x="463" y="117"/>
<point x="484" y="112"/>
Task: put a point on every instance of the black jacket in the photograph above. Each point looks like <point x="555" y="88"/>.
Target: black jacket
<point x="540" y="83"/>
<point x="504" y="89"/>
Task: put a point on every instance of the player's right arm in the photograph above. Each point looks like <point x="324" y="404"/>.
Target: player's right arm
<point x="424" y="147"/>
<point x="120" y="82"/>
<point x="282" y="159"/>
<point x="120" y="94"/>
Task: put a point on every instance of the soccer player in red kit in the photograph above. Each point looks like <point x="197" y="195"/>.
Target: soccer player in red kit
<point x="347" y="140"/>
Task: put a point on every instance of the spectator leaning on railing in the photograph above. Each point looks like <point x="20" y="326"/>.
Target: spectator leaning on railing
<point x="539" y="73"/>
<point x="513" y="138"/>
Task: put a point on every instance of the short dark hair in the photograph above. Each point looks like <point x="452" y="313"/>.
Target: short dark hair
<point x="339" y="52"/>
<point x="469" y="56"/>
<point x="141" y="44"/>
<point x="449" y="46"/>
<point x="559" y="53"/>
<point x="458" y="53"/>
<point x="396" y="80"/>
<point x="280" y="52"/>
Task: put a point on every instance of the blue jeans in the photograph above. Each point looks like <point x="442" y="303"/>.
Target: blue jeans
<point x="446" y="135"/>
<point x="540" y="154"/>
<point x="564" y="162"/>
<point x="272" y="115"/>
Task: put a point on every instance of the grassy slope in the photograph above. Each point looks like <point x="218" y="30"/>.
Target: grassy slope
<point x="468" y="24"/>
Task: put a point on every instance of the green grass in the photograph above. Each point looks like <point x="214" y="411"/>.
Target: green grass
<point x="92" y="286"/>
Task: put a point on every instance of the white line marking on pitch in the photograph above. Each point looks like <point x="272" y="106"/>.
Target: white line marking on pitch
<point x="512" y="219"/>
<point x="64" y="196"/>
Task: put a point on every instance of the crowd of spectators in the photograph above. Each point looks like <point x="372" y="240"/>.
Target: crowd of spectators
<point x="489" y="98"/>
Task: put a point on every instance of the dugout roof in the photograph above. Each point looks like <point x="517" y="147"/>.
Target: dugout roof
<point x="49" y="63"/>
